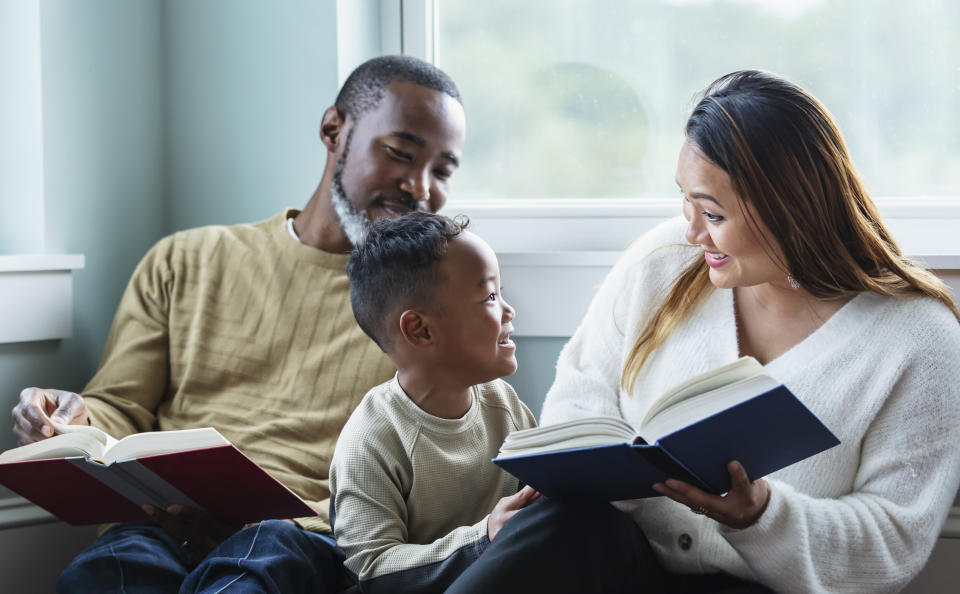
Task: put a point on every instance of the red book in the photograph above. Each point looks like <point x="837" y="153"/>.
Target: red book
<point x="83" y="476"/>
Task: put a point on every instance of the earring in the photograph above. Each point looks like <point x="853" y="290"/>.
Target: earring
<point x="793" y="282"/>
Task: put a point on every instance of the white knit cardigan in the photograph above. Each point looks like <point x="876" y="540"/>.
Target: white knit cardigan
<point x="882" y="373"/>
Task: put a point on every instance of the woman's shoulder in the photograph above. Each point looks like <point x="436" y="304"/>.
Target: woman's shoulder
<point x="919" y="323"/>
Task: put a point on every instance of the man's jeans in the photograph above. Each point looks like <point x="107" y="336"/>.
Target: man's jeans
<point x="273" y="556"/>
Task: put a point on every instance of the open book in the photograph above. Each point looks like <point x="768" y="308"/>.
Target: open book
<point x="734" y="412"/>
<point x="108" y="480"/>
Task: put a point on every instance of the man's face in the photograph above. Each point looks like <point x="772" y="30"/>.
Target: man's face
<point x="398" y="157"/>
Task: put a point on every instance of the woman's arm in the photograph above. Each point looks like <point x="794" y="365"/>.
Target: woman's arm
<point x="878" y="537"/>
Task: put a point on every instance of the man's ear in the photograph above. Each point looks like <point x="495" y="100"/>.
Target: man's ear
<point x="414" y="329"/>
<point x="331" y="128"/>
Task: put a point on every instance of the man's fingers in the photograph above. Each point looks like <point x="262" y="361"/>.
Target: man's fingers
<point x="30" y="416"/>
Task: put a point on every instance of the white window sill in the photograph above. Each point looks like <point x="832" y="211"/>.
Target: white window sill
<point x="36" y="296"/>
<point x="554" y="253"/>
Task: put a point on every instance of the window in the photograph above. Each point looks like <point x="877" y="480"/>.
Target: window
<point x="586" y="99"/>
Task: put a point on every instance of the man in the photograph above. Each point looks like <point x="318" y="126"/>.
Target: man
<point x="249" y="329"/>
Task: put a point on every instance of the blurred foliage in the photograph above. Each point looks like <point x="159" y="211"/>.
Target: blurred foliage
<point x="587" y="98"/>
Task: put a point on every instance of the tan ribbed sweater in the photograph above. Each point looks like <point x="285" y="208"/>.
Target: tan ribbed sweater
<point x="247" y="330"/>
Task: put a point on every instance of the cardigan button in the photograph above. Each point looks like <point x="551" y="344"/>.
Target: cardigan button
<point x="685" y="541"/>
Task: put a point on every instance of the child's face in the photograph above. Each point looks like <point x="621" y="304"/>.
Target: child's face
<point x="472" y="322"/>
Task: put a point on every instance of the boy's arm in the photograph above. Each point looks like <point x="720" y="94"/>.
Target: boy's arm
<point x="368" y="511"/>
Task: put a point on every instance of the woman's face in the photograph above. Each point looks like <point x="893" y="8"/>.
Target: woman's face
<point x="737" y="255"/>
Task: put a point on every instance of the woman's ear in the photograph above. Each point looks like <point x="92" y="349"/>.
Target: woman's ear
<point x="331" y="128"/>
<point x="414" y="329"/>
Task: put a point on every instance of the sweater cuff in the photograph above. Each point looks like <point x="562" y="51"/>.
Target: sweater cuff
<point x="765" y="524"/>
<point x="766" y="544"/>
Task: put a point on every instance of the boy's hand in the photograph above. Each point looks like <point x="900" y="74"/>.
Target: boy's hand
<point x="507" y="507"/>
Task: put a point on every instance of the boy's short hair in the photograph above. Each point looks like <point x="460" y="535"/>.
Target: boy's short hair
<point x="396" y="266"/>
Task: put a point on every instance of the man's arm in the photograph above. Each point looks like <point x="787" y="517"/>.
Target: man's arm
<point x="134" y="374"/>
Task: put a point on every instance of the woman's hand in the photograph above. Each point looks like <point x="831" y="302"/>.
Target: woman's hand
<point x="739" y="508"/>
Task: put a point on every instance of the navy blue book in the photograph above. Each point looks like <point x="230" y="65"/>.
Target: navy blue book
<point x="735" y="412"/>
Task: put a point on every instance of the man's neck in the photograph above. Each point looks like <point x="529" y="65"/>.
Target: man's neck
<point x="317" y="224"/>
<point x="447" y="400"/>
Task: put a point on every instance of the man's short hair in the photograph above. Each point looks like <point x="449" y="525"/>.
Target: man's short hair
<point x="366" y="86"/>
<point x="396" y="267"/>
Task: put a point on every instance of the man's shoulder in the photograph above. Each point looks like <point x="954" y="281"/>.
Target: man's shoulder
<point x="242" y="232"/>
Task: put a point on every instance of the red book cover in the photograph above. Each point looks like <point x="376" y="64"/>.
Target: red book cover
<point x="69" y="493"/>
<point x="226" y="483"/>
<point x="220" y="480"/>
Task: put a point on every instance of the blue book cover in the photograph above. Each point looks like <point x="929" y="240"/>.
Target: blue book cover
<point x="765" y="433"/>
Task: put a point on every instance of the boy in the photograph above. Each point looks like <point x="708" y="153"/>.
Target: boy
<point x="411" y="479"/>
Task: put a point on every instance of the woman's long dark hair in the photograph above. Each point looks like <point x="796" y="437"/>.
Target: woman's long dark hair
<point x="786" y="157"/>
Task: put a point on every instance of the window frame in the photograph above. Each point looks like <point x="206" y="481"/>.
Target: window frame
<point x="922" y="225"/>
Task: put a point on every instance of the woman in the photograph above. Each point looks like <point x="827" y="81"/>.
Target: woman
<point x="783" y="257"/>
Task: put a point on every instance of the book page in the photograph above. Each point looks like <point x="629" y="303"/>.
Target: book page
<point x="741" y="369"/>
<point x="98" y="434"/>
<point x="58" y="446"/>
<point x="162" y="442"/>
<point x="695" y="408"/>
<point x="585" y="432"/>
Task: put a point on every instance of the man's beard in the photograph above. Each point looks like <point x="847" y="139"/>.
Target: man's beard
<point x="354" y="222"/>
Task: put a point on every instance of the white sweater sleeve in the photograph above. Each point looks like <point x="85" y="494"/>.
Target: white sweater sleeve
<point x="878" y="537"/>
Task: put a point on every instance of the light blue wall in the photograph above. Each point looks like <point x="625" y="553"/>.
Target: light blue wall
<point x="21" y="145"/>
<point x="537" y="358"/>
<point x="247" y="83"/>
<point x="102" y="118"/>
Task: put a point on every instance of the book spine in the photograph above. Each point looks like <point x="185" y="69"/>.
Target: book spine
<point x="131" y="480"/>
<point x="673" y="468"/>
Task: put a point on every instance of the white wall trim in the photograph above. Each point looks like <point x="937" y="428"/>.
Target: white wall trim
<point x="36" y="296"/>
<point x="17" y="511"/>
<point x="924" y="227"/>
<point x="38" y="262"/>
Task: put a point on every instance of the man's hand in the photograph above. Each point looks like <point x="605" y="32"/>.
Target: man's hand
<point x="38" y="409"/>
<point x="195" y="530"/>
<point x="740" y="508"/>
<point x="507" y="507"/>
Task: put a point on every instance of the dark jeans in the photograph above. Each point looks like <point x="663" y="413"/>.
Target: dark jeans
<point x="555" y="547"/>
<point x="273" y="556"/>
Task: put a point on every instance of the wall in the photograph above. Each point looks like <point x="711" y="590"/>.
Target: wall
<point x="246" y="85"/>
<point x="102" y="118"/>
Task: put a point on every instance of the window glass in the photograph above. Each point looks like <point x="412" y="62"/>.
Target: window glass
<point x="587" y="98"/>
